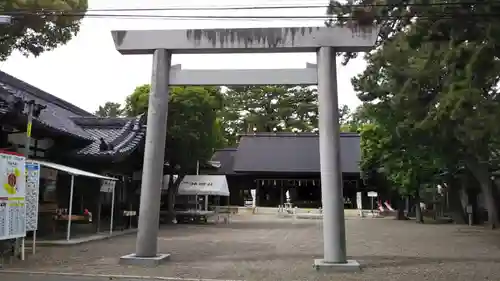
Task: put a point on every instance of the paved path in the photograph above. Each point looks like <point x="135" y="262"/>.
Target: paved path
<point x="27" y="277"/>
<point x="267" y="248"/>
<point x="55" y="277"/>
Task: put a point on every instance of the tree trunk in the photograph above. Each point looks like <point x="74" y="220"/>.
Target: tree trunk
<point x="173" y="188"/>
<point x="400" y="215"/>
<point x="457" y="210"/>
<point x="496" y="195"/>
<point x="408" y="206"/>
<point x="482" y="175"/>
<point x="418" y="210"/>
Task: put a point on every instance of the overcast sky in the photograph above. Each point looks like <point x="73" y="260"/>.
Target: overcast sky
<point x="88" y="71"/>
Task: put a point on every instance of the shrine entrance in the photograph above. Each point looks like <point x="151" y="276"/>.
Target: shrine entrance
<point x="324" y="41"/>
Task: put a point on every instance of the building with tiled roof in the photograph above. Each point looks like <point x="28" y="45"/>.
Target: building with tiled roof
<point x="68" y="138"/>
<point x="77" y="131"/>
<point x="273" y="163"/>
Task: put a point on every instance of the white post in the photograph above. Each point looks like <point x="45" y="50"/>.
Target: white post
<point x="99" y="210"/>
<point x="112" y="209"/>
<point x="23" y="248"/>
<point x="34" y="242"/>
<point x="197" y="167"/>
<point x="334" y="242"/>
<point x="68" y="232"/>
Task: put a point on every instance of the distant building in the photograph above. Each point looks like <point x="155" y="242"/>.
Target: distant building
<point x="274" y="163"/>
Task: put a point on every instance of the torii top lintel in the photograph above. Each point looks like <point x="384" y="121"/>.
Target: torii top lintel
<point x="244" y="40"/>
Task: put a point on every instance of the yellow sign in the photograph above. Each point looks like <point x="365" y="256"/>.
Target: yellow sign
<point x="28" y="129"/>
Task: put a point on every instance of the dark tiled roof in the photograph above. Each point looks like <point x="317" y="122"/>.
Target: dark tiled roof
<point x="124" y="134"/>
<point x="291" y="153"/>
<point x="226" y="159"/>
<point x="58" y="113"/>
<point x="3" y="106"/>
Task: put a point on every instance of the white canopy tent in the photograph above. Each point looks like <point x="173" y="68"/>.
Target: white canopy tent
<point x="76" y="172"/>
<point x="204" y="185"/>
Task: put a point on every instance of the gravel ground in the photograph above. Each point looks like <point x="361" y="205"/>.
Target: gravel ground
<point x="267" y="248"/>
<point x="27" y="277"/>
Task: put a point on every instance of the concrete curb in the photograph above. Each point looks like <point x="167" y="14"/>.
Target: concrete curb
<point x="110" y="276"/>
<point x="83" y="240"/>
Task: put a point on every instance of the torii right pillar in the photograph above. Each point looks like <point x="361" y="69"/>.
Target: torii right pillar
<point x="334" y="238"/>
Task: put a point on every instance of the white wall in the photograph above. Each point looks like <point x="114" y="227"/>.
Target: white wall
<point x="18" y="140"/>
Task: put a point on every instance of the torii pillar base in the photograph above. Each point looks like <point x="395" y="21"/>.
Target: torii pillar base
<point x="349" y="266"/>
<point x="132" y="259"/>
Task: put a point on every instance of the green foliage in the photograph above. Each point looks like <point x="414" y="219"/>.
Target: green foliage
<point x="137" y="102"/>
<point x="272" y="108"/>
<point x="32" y="33"/>
<point x="109" y="109"/>
<point x="193" y="128"/>
<point x="431" y="92"/>
<point x="269" y="107"/>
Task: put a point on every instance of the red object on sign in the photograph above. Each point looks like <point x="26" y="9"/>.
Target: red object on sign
<point x="11" y="179"/>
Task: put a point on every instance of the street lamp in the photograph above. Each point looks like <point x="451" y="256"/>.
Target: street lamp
<point x="5" y="20"/>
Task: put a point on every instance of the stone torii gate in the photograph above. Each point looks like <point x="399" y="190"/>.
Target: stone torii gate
<point x="325" y="41"/>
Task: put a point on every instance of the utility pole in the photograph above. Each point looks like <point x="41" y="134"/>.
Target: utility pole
<point x="32" y="110"/>
<point x="19" y="245"/>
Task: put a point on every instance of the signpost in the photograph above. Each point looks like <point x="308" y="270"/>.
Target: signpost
<point x="372" y="194"/>
<point x="108" y="186"/>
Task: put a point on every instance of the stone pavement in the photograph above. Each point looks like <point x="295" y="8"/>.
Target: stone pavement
<point x="18" y="277"/>
<point x="267" y="248"/>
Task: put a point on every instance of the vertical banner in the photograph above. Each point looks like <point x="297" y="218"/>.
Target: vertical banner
<point x="32" y="195"/>
<point x="12" y="196"/>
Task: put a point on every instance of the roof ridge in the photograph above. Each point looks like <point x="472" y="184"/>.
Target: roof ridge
<point x="102" y="118"/>
<point x="290" y="134"/>
<point x="227" y="149"/>
<point x="96" y="121"/>
<point x="13" y="81"/>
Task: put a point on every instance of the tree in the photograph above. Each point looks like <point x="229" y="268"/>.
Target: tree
<point x="39" y="26"/>
<point x="271" y="108"/>
<point x="440" y="73"/>
<point x="109" y="109"/>
<point x="193" y="129"/>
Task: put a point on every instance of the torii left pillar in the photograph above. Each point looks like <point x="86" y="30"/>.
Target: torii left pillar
<point x="152" y="172"/>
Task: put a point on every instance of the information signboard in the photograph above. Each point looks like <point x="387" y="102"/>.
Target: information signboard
<point x="32" y="195"/>
<point x="107" y="186"/>
<point x="12" y="196"/>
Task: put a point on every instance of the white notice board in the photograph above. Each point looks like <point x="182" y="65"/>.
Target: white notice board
<point x="12" y="196"/>
<point x="32" y="195"/>
<point x="108" y="186"/>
